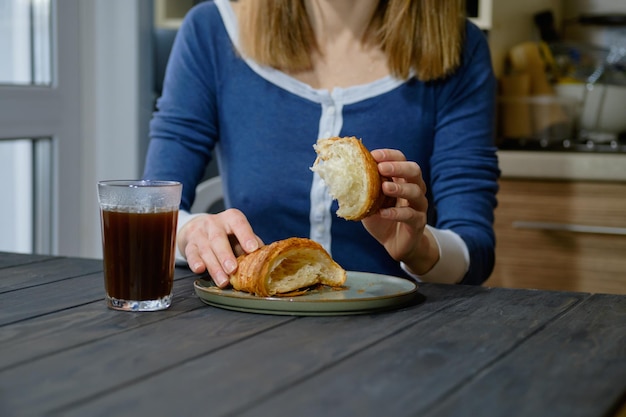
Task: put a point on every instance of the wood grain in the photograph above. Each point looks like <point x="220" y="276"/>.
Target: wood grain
<point x="330" y="366"/>
<point x="276" y="360"/>
<point x="431" y="360"/>
<point x="28" y="340"/>
<point x="44" y="271"/>
<point x="45" y="290"/>
<point x="520" y="352"/>
<point x="9" y="259"/>
<point x="103" y="365"/>
<point x="570" y="368"/>
<point x="556" y="260"/>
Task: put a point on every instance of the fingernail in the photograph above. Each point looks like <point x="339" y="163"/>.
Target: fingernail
<point x="221" y="279"/>
<point x="230" y="266"/>
<point x="197" y="266"/>
<point x="392" y="187"/>
<point x="386" y="168"/>
<point x="385" y="212"/>
<point x="252" y="245"/>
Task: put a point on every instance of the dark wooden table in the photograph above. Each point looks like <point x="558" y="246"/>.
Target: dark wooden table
<point x="462" y="351"/>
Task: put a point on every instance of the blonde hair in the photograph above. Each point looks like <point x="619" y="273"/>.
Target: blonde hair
<point x="423" y="37"/>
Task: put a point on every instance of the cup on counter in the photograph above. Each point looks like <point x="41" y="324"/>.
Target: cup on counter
<point x="138" y="220"/>
<point x="545" y="119"/>
<point x="602" y="106"/>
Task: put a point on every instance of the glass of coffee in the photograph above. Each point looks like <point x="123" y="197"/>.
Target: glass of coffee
<point x="138" y="220"/>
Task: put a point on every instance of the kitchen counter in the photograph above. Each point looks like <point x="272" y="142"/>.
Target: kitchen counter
<point x="589" y="166"/>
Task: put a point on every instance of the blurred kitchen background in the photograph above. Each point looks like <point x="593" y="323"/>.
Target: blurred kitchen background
<point x="79" y="79"/>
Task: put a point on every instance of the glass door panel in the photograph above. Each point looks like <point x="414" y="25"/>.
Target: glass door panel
<point x="25" y="214"/>
<point x="26" y="165"/>
<point x="16" y="211"/>
<point x="25" y="42"/>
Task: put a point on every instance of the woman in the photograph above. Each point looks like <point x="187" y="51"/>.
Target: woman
<point x="258" y="82"/>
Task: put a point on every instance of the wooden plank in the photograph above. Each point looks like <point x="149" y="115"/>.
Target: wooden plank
<point x="41" y="387"/>
<point x="92" y="370"/>
<point x="275" y="361"/>
<point x="53" y="269"/>
<point x="9" y="259"/>
<point x="34" y="339"/>
<point x="408" y="373"/>
<point x="48" y="298"/>
<point x="576" y="366"/>
<point x="53" y="296"/>
<point x="37" y="270"/>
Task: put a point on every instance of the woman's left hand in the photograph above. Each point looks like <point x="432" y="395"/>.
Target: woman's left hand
<point x="402" y="229"/>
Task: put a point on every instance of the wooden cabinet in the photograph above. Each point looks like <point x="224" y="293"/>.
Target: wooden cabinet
<point x="561" y="235"/>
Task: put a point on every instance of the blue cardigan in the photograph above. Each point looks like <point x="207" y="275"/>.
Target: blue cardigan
<point x="262" y="124"/>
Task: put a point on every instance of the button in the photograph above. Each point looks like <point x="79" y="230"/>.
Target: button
<point x="327" y="134"/>
<point x="331" y="110"/>
<point x="320" y="229"/>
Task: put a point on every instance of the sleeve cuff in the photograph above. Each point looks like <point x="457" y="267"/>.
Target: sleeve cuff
<point x="453" y="261"/>
<point x="183" y="218"/>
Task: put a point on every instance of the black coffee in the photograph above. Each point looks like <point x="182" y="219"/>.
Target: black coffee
<point x="139" y="251"/>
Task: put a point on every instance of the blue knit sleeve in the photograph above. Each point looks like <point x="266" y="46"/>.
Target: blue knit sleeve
<point x="184" y="129"/>
<point x="464" y="161"/>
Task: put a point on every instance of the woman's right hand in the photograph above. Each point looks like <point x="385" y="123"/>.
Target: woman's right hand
<point x="212" y="242"/>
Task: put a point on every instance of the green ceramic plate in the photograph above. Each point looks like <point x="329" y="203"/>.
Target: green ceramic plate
<point x="362" y="293"/>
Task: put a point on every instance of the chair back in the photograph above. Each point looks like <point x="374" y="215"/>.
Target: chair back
<point x="208" y="194"/>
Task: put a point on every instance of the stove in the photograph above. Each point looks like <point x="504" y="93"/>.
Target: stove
<point x="586" y="143"/>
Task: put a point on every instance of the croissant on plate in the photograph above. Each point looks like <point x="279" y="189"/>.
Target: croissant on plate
<point x="286" y="267"/>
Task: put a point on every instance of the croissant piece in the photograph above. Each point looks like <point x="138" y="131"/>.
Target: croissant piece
<point x="285" y="267"/>
<point x="351" y="174"/>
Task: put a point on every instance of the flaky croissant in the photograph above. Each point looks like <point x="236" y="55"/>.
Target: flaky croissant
<point x="286" y="266"/>
<point x="351" y="174"/>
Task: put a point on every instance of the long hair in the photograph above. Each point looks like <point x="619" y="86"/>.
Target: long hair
<point x="421" y="37"/>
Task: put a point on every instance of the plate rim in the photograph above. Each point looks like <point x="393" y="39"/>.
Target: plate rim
<point x="302" y="306"/>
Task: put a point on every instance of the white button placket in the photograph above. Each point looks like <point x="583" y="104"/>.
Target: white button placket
<point x="330" y="125"/>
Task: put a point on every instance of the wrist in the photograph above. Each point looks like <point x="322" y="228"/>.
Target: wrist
<point x="426" y="255"/>
<point x="184" y="217"/>
<point x="453" y="263"/>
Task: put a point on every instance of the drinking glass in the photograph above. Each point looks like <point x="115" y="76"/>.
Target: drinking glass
<point x="138" y="220"/>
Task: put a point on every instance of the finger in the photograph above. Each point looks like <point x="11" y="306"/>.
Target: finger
<point x="217" y="248"/>
<point x="407" y="194"/>
<point x="237" y="248"/>
<point x="414" y="219"/>
<point x="194" y="260"/>
<point x="196" y="255"/>
<point x="208" y="243"/>
<point x="406" y="179"/>
<point x="408" y="170"/>
<point x="229" y="235"/>
<point x="381" y="155"/>
<point x="239" y="227"/>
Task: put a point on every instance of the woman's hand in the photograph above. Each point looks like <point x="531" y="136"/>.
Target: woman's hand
<point x="212" y="242"/>
<point x="401" y="229"/>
